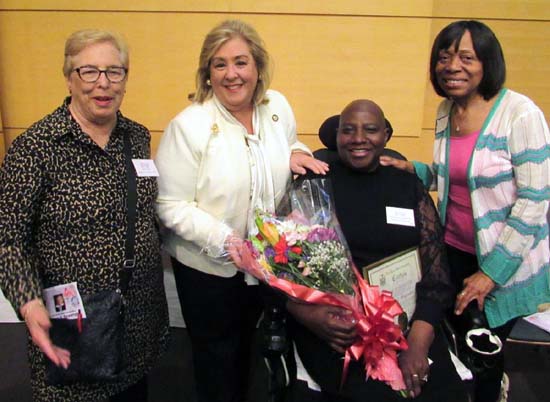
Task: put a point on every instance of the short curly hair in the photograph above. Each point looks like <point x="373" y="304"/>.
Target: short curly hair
<point x="78" y="40"/>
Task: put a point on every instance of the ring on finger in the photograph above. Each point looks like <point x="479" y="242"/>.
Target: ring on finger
<point x="425" y="378"/>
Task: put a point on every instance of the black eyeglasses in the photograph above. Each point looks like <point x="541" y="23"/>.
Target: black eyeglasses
<point x="91" y="74"/>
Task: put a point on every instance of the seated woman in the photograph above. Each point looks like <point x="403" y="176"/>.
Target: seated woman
<point x="362" y="190"/>
<point x="327" y="135"/>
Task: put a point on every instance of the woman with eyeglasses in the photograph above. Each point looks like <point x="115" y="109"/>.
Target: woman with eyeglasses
<point x="63" y="197"/>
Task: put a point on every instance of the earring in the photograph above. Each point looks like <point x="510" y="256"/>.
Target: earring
<point x="259" y="77"/>
<point x="208" y="82"/>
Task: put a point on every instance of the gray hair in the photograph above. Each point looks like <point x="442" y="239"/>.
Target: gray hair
<point x="78" y="40"/>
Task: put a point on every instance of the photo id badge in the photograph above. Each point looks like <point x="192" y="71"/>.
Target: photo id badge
<point x="64" y="301"/>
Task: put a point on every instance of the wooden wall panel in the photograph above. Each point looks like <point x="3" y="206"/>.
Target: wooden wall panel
<point x="328" y="62"/>
<point x="9" y="135"/>
<point x="325" y="53"/>
<point x="2" y="140"/>
<point x="494" y="9"/>
<point x="320" y="63"/>
<point x="419" y="148"/>
<point x="319" y="7"/>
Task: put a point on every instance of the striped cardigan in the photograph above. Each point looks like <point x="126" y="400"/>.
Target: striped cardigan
<point x="509" y="182"/>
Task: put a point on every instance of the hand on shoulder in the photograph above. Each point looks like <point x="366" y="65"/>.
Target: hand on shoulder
<point x="300" y="162"/>
<point x="397" y="163"/>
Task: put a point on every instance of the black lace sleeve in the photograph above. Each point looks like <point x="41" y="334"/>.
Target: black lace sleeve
<point x="434" y="293"/>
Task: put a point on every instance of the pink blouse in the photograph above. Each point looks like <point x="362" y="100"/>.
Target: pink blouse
<point x="459" y="226"/>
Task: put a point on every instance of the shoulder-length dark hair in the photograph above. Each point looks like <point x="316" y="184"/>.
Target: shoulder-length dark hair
<point x="488" y="51"/>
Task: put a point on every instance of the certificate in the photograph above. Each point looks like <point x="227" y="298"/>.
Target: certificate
<point x="399" y="274"/>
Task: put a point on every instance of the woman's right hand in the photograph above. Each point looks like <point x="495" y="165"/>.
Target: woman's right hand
<point x="476" y="287"/>
<point x="38" y="322"/>
<point x="335" y="325"/>
<point x="398" y="163"/>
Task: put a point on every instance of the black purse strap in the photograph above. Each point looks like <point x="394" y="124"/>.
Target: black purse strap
<point x="131" y="203"/>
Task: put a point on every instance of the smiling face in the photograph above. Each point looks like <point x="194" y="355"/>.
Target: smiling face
<point x="362" y="135"/>
<point x="97" y="102"/>
<point x="233" y="75"/>
<point x="459" y="72"/>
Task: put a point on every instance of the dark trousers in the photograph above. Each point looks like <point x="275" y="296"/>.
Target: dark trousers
<point x="220" y="315"/>
<point x="486" y="381"/>
<point x="325" y="367"/>
<point x="135" y="393"/>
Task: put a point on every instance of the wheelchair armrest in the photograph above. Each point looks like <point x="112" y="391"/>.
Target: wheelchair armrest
<point x="451" y="335"/>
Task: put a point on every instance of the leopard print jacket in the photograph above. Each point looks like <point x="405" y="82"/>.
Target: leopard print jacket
<point x="63" y="219"/>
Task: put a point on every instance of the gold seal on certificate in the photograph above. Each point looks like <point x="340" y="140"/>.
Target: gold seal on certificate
<point x="399" y="274"/>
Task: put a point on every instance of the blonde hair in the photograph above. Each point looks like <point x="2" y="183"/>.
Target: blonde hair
<point x="219" y="35"/>
<point x="78" y="40"/>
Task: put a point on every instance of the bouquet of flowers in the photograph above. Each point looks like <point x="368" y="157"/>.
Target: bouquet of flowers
<point x="309" y="255"/>
<point x="302" y="251"/>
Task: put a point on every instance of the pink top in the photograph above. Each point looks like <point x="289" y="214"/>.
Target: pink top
<point x="459" y="226"/>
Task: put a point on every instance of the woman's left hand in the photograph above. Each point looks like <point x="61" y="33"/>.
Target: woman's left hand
<point x="300" y="161"/>
<point x="476" y="287"/>
<point x="414" y="361"/>
<point x="233" y="245"/>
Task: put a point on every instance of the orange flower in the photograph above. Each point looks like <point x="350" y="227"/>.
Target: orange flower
<point x="268" y="231"/>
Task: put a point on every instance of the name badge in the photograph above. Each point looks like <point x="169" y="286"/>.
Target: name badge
<point x="145" y="168"/>
<point x="400" y="216"/>
<point x="64" y="301"/>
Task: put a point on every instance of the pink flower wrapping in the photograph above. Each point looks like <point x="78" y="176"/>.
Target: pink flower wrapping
<point x="304" y="254"/>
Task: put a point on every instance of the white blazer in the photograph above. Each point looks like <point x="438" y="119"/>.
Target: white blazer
<point x="205" y="181"/>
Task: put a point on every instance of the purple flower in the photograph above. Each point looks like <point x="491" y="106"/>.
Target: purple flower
<point x="320" y="234"/>
<point x="269" y="252"/>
